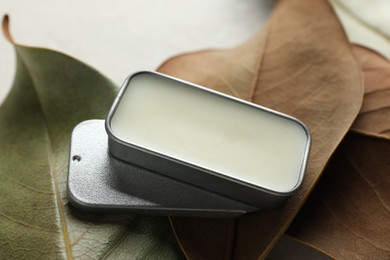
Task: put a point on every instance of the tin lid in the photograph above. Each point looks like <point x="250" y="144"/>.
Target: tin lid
<point x="97" y="181"/>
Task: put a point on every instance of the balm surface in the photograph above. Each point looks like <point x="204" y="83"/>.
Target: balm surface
<point x="242" y="141"/>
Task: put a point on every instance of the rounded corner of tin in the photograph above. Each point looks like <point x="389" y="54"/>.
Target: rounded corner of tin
<point x="74" y="199"/>
<point x="301" y="177"/>
<point x="305" y="129"/>
<point x="82" y="123"/>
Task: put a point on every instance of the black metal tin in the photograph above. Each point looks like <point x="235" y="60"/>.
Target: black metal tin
<point x="218" y="182"/>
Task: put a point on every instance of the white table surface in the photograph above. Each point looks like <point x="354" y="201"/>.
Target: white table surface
<point x="122" y="36"/>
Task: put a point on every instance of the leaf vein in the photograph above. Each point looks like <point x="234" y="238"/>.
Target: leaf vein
<point x="349" y="229"/>
<point x="368" y="182"/>
<point x="51" y="164"/>
<point x="119" y="241"/>
<point x="259" y="65"/>
<point x="25" y="224"/>
<point x="28" y="186"/>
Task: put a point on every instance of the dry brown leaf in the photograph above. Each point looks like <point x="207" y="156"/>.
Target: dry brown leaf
<point x="289" y="248"/>
<point x="374" y="116"/>
<point x="301" y="64"/>
<point x="217" y="242"/>
<point x="211" y="239"/>
<point x="349" y="215"/>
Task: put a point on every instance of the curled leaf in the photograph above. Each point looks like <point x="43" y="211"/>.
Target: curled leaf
<point x="374" y="116"/>
<point x="300" y="64"/>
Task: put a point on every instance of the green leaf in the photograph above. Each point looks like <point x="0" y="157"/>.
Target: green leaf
<point x="52" y="93"/>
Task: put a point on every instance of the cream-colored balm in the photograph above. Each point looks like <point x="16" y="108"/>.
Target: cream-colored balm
<point x="226" y="137"/>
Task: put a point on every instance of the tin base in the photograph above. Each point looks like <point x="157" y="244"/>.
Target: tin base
<point x="98" y="181"/>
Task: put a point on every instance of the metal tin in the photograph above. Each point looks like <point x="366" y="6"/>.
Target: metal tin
<point x="218" y="182"/>
<point x="99" y="182"/>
